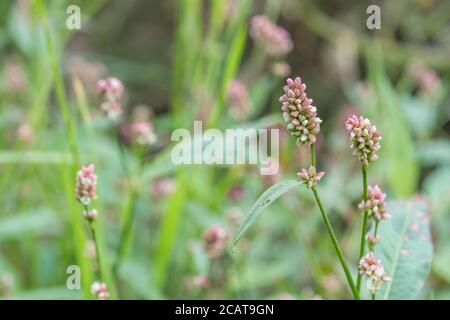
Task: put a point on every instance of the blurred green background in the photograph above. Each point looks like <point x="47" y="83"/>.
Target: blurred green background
<point x="177" y="60"/>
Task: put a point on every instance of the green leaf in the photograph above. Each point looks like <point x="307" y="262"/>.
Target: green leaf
<point x="405" y="249"/>
<point x="269" y="196"/>
<point x="37" y="222"/>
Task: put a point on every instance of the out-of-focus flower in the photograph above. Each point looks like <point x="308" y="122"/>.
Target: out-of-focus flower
<point x="373" y="269"/>
<point x="299" y="113"/>
<point x="372" y="239"/>
<point x="365" y="138"/>
<point x="142" y="133"/>
<point x="310" y="176"/>
<point x="90" y="215"/>
<point x="6" y="284"/>
<point x="375" y="203"/>
<point x="281" y="69"/>
<point x="427" y="79"/>
<point x="239" y="100"/>
<point x="100" y="290"/>
<point x="214" y="240"/>
<point x="163" y="187"/>
<point x="236" y="193"/>
<point x="15" y="77"/>
<point x="316" y="297"/>
<point x="275" y="40"/>
<point x="25" y="133"/>
<point x="111" y="91"/>
<point x="86" y="184"/>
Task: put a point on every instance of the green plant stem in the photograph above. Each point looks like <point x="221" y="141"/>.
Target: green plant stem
<point x="364" y="226"/>
<point x="125" y="234"/>
<point x="336" y="245"/>
<point x="334" y="240"/>
<point x="97" y="250"/>
<point x="97" y="247"/>
<point x="313" y="155"/>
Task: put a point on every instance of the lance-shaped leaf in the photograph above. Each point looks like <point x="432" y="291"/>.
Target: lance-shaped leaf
<point x="269" y="196"/>
<point x="405" y="249"/>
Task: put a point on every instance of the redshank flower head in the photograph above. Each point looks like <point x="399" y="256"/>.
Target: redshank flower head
<point x="275" y="40"/>
<point x="375" y="203"/>
<point x="111" y="92"/>
<point x="86" y="184"/>
<point x="364" y="137"/>
<point x="142" y="133"/>
<point x="299" y="113"/>
<point x="373" y="269"/>
<point x="310" y="176"/>
<point x="100" y="290"/>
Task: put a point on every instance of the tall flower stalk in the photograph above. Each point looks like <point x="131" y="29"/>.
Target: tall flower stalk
<point x="86" y="186"/>
<point x="302" y="121"/>
<point x="365" y="143"/>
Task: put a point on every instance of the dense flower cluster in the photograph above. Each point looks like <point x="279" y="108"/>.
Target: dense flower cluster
<point x="86" y="184"/>
<point x="273" y="38"/>
<point x="310" y="176"/>
<point x="239" y="99"/>
<point x="373" y="269"/>
<point x="142" y="133"/>
<point x="111" y="92"/>
<point x="365" y="138"/>
<point x="214" y="240"/>
<point x="100" y="290"/>
<point x="299" y="113"/>
<point x="375" y="203"/>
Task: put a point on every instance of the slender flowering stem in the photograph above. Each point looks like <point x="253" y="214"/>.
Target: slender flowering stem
<point x="364" y="226"/>
<point x="336" y="245"/>
<point x="97" y="247"/>
<point x="332" y="234"/>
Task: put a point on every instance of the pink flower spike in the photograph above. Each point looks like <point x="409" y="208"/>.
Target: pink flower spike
<point x="364" y="137"/>
<point x="86" y="184"/>
<point x="111" y="92"/>
<point x="375" y="203"/>
<point x="298" y="112"/>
